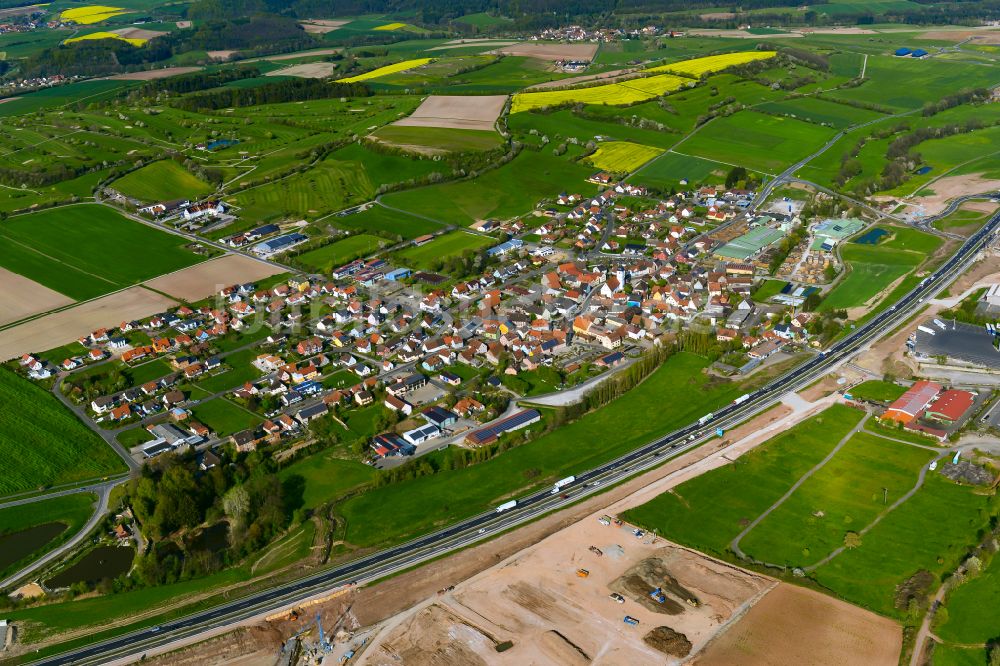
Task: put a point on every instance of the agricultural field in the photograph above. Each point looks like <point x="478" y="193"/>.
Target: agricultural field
<point x="506" y="75"/>
<point x="613" y="94"/>
<point x="453" y="244"/>
<point x="904" y="83"/>
<point x="88" y="250"/>
<point x="437" y="140"/>
<point x="134" y="41"/>
<point x="43" y="443"/>
<point x="846" y="494"/>
<point x="821" y="112"/>
<point x="564" y="124"/>
<point x="873" y="268"/>
<point x="503" y="192"/>
<point x="328" y="257"/>
<point x="756" y="141"/>
<point x="90" y="14"/>
<point x="707" y="512"/>
<point x="404" y="66"/>
<point x="162" y="181"/>
<point x="893" y="550"/>
<point x="347" y="176"/>
<point x="471" y="112"/>
<point x="378" y="218"/>
<point x="622" y="156"/>
<point x="698" y="67"/>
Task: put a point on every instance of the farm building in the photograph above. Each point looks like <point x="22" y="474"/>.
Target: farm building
<point x="902" y="52"/>
<point x="918" y="53"/>
<point x="911" y="404"/>
<point x="749" y="244"/>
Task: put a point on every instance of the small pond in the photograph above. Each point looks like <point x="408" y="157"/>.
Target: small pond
<point x="872" y="237"/>
<point x="18" y="545"/>
<point x="100" y="563"/>
<point x="213" y="538"/>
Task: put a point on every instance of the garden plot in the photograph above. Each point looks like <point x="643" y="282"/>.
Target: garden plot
<point x="478" y="112"/>
<point x="21" y="297"/>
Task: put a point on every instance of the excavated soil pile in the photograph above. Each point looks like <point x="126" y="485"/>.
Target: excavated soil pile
<point x="668" y="641"/>
<point x="638" y="582"/>
<point x="437" y="637"/>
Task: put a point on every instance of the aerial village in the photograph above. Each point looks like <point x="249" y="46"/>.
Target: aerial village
<point x="577" y="289"/>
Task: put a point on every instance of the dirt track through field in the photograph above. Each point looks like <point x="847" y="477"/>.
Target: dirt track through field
<point x="21" y="297"/>
<point x="64" y="327"/>
<point x="207" y="278"/>
<point x="477" y="112"/>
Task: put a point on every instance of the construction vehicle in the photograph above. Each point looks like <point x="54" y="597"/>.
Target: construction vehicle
<point x="630" y="620"/>
<point x="582" y="573"/>
<point x="618" y="522"/>
<point x="595" y="550"/>
<point x="617" y="597"/>
<point x="323" y="643"/>
<point x="658" y="596"/>
<point x="604" y="520"/>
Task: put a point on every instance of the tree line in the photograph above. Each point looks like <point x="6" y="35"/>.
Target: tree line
<point x="289" y="90"/>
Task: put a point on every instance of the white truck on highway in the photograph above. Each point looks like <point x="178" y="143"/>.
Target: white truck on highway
<point x="740" y="400"/>
<point x="506" y="505"/>
<point x="706" y="418"/>
<point x="562" y="483"/>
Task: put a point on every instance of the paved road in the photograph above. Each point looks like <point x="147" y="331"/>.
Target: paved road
<point x="466" y="532"/>
<point x="102" y="506"/>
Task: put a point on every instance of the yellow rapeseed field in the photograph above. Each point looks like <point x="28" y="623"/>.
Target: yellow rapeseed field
<point x="134" y="41"/>
<point x="90" y="14"/>
<point x="622" y="156"/>
<point x="391" y="26"/>
<point x="698" y="66"/>
<point x="388" y="69"/>
<point x="613" y="94"/>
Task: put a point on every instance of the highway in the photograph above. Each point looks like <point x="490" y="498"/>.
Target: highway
<point x="485" y="525"/>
